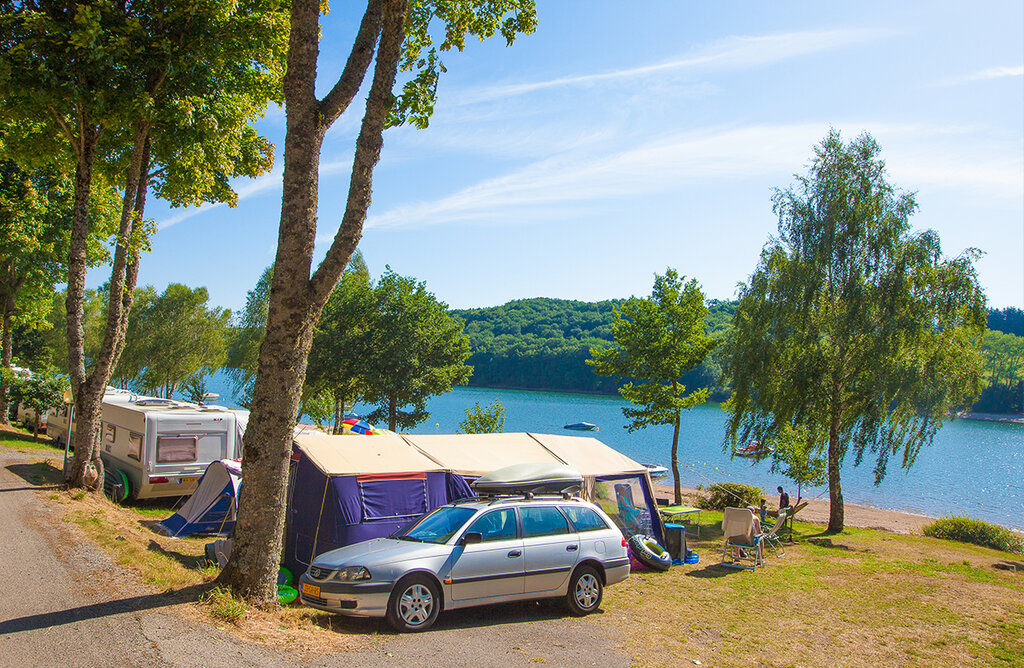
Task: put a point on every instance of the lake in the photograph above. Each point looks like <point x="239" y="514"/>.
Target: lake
<point x="972" y="468"/>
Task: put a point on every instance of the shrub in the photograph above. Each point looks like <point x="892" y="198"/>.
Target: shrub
<point x="968" y="530"/>
<point x="732" y="494"/>
<point x="223" y="605"/>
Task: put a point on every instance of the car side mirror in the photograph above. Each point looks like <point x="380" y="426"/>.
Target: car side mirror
<point x="472" y="538"/>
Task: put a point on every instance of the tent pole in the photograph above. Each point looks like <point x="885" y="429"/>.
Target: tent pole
<point x="316" y="535"/>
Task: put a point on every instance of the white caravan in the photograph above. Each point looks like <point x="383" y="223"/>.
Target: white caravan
<point x="160" y="447"/>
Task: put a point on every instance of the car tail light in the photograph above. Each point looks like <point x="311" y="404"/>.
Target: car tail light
<point x="624" y="543"/>
<point x="153" y="481"/>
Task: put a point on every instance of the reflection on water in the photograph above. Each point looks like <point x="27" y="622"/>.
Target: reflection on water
<point x="972" y="468"/>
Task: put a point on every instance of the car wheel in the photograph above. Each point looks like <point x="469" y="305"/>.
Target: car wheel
<point x="585" y="591"/>
<point x="414" y="604"/>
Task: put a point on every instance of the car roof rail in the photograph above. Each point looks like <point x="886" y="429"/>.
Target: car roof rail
<point x="529" y="496"/>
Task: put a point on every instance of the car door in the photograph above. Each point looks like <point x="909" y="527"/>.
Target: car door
<point x="550" y="546"/>
<point x="494" y="566"/>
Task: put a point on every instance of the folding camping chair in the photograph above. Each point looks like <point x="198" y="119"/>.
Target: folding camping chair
<point x="742" y="545"/>
<point x="772" y="538"/>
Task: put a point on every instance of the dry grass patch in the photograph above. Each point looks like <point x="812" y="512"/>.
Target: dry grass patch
<point x="861" y="598"/>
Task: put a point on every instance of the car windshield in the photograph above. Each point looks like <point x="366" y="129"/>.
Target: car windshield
<point x="438" y="526"/>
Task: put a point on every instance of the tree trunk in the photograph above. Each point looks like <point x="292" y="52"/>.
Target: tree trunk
<point x="678" y="496"/>
<point x="393" y="413"/>
<point x="6" y="352"/>
<point x="835" y="489"/>
<point x="296" y="298"/>
<point x="89" y="389"/>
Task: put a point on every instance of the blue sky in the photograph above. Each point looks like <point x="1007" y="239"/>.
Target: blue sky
<point x="624" y="138"/>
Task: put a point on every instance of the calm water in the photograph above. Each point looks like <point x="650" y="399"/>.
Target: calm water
<point x="972" y="468"/>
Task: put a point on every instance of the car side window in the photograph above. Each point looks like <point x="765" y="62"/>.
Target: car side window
<point x="543" y="521"/>
<point x="496" y="525"/>
<point x="585" y="519"/>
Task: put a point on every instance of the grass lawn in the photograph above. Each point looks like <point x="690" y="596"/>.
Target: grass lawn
<point x="23" y="441"/>
<point x="859" y="598"/>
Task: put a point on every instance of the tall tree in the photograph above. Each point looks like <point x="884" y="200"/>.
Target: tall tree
<point x="415" y="350"/>
<point x="338" y="357"/>
<point x="851" y="327"/>
<point x="489" y="419"/>
<point x="176" y="337"/>
<point x="135" y="85"/>
<point x="394" y="34"/>
<point x="658" y="339"/>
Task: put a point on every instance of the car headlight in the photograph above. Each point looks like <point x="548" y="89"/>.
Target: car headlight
<point x="352" y="573"/>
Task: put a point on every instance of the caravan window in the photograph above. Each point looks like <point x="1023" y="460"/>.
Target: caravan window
<point x="175" y="449"/>
<point x="135" y="445"/>
<point x="109" y="432"/>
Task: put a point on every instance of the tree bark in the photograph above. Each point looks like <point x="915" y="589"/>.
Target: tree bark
<point x="296" y="298"/>
<point x="678" y="490"/>
<point x="6" y="353"/>
<point x="88" y="389"/>
<point x="835" y="489"/>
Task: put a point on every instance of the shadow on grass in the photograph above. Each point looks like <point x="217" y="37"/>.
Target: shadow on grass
<point x="715" y="570"/>
<point x="1012" y="566"/>
<point x="41" y="475"/>
<point x="99" y="610"/>
<point x="189" y="561"/>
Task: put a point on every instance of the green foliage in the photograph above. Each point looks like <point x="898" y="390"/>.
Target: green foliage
<point x="732" y="495"/>
<point x="172" y="338"/>
<point x="797" y="455"/>
<point x="850" y="326"/>
<point x="487" y="420"/>
<point x="415" y="350"/>
<point x="223" y="605"/>
<point x="968" y="530"/>
<point x="243" y="356"/>
<point x="1004" y="373"/>
<point x="1007" y="320"/>
<point x="544" y="344"/>
<point x="39" y="391"/>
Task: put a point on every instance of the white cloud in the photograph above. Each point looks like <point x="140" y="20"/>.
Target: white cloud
<point x="738" y="52"/>
<point x="547" y="189"/>
<point x="983" y="75"/>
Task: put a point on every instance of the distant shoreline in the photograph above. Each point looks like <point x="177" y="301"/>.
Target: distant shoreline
<point x="992" y="417"/>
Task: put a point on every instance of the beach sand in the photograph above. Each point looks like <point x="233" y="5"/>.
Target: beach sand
<point x="816" y="511"/>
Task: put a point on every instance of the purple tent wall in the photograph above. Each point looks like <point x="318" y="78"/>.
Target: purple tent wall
<point x="346" y="518"/>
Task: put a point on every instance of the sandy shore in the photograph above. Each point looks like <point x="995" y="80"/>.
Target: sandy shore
<point x="817" y="512"/>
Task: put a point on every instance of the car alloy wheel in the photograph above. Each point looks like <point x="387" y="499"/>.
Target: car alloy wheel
<point x="415" y="605"/>
<point x="585" y="590"/>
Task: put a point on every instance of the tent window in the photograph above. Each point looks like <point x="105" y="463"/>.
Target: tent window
<point x="134" y="445"/>
<point x="390" y="498"/>
<point x="175" y="449"/>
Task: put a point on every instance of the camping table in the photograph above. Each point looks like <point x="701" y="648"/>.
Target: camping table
<point x="681" y="514"/>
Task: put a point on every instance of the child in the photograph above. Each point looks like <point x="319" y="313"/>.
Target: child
<point x="763" y="510"/>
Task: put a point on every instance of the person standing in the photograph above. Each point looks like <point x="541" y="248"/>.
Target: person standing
<point x="783" y="498"/>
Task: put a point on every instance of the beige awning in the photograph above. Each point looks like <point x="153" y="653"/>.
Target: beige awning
<point x="479" y="454"/>
<point x="356" y="455"/>
<point x="588" y="455"/>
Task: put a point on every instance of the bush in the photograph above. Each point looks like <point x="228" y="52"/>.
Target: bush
<point x="732" y="495"/>
<point x="968" y="530"/>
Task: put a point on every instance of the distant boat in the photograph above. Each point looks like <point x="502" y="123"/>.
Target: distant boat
<point x="581" y="426"/>
<point x="753" y="449"/>
<point x="656" y="470"/>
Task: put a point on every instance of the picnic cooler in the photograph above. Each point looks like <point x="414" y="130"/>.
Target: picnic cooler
<point x="675" y="540"/>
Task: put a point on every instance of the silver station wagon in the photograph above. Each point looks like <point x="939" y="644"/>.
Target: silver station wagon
<point x="473" y="552"/>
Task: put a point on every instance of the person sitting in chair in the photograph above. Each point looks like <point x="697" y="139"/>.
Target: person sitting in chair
<point x="783" y="498"/>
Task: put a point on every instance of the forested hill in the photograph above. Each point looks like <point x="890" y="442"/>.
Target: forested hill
<point x="544" y="343"/>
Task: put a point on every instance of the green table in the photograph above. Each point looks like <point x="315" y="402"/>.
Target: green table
<point x="681" y="515"/>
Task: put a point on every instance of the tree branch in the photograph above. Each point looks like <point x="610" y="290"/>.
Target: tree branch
<point x="367" y="154"/>
<point x="336" y="102"/>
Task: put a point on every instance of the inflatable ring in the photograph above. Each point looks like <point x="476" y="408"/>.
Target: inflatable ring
<point x="284" y="576"/>
<point x="286" y="594"/>
<point x="649" y="553"/>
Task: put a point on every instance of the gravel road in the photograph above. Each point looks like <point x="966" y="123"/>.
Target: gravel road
<point x="63" y="602"/>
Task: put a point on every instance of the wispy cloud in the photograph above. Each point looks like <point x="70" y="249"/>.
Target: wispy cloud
<point x="553" y="187"/>
<point x="738" y="52"/>
<point x="983" y="75"/>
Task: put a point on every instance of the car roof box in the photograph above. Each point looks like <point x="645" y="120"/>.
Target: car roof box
<point x="529" y="478"/>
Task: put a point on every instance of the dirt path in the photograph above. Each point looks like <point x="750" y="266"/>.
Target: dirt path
<point x="63" y="602"/>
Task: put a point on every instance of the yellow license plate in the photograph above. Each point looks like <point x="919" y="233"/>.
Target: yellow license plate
<point x="310" y="590"/>
<point x="188" y="481"/>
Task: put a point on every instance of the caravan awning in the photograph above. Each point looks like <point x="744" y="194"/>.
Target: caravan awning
<point x="589" y="456"/>
<point x="479" y="454"/>
<point x="357" y="455"/>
